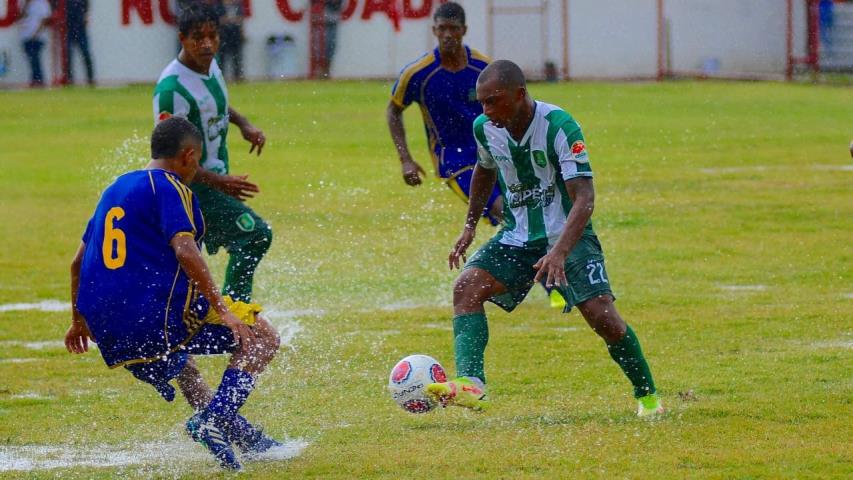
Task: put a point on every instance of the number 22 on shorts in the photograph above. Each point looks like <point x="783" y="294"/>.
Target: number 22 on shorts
<point x="595" y="273"/>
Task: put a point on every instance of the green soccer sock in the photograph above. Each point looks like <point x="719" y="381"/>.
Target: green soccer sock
<point x="471" y="335"/>
<point x="242" y="263"/>
<point x="629" y="355"/>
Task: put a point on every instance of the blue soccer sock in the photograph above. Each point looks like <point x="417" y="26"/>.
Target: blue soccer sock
<point x="230" y="396"/>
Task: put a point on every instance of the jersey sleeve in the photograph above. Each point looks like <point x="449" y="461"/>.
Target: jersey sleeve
<point x="485" y="158"/>
<point x="402" y="92"/>
<point x="571" y="152"/>
<point x="168" y="103"/>
<point x="87" y="234"/>
<point x="174" y="202"/>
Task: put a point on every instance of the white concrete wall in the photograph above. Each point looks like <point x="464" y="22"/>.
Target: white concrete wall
<point x="606" y="38"/>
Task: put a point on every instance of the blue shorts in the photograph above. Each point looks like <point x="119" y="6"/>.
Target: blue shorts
<point x="210" y="340"/>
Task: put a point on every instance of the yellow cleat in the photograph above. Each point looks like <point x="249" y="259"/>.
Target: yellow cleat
<point x="557" y="300"/>
<point x="650" y="407"/>
<point x="460" y="392"/>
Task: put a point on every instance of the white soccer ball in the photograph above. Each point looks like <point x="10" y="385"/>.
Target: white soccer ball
<point x="408" y="381"/>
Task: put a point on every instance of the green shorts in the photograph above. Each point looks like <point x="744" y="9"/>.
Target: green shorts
<point x="513" y="267"/>
<point x="229" y="223"/>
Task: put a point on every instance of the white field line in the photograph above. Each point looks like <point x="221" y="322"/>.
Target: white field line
<point x="742" y="288"/>
<point x="175" y="452"/>
<point x="42" y="306"/>
<point x="765" y="168"/>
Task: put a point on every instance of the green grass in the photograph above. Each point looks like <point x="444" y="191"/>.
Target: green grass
<point x="702" y="188"/>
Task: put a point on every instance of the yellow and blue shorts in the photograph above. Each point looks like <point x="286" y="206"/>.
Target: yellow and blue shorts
<point x="211" y="339"/>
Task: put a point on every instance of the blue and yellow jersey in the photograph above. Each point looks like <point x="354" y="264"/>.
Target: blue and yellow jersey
<point x="137" y="301"/>
<point x="448" y="104"/>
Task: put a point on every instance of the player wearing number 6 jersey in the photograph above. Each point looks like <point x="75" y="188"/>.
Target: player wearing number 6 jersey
<point x="142" y="291"/>
<point x="536" y="153"/>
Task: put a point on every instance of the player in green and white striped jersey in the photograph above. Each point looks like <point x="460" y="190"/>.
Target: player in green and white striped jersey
<point x="536" y="152"/>
<point x="192" y="86"/>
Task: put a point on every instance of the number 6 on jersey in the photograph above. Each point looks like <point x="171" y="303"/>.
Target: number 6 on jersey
<point x="116" y="235"/>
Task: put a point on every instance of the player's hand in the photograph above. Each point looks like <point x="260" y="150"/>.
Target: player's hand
<point x="255" y="136"/>
<point x="243" y="334"/>
<point x="77" y="337"/>
<point x="237" y="186"/>
<point x="551" y="268"/>
<point x="460" y="248"/>
<point x="412" y="173"/>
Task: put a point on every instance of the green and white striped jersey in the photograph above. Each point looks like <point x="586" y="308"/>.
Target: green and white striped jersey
<point x="531" y="173"/>
<point x="201" y="99"/>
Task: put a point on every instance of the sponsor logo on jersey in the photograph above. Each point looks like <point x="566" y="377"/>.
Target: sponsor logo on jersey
<point x="163" y="116"/>
<point x="539" y="158"/>
<point x="520" y="195"/>
<point x="401" y="372"/>
<point x="216" y="126"/>
<point x="501" y="158"/>
<point x="579" y="150"/>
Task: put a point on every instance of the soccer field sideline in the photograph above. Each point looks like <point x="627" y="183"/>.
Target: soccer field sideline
<point x="729" y="256"/>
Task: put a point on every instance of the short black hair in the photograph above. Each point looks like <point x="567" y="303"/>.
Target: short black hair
<point x="170" y="135"/>
<point x="450" y="11"/>
<point x="507" y="73"/>
<point x="195" y="15"/>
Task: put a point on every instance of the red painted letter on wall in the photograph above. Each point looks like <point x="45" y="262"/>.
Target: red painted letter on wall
<point x="287" y="12"/>
<point x="12" y="12"/>
<point x="143" y="7"/>
<point x="411" y="12"/>
<point x="389" y="7"/>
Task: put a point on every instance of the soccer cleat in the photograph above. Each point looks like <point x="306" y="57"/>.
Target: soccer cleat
<point x="460" y="392"/>
<point x="209" y="435"/>
<point x="557" y="300"/>
<point x="248" y="438"/>
<point x="650" y="406"/>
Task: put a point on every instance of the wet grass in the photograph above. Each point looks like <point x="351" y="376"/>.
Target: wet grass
<point x="724" y="209"/>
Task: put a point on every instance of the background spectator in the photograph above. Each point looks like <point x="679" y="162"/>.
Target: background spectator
<point x="33" y="24"/>
<point x="76" y="18"/>
<point x="231" y="39"/>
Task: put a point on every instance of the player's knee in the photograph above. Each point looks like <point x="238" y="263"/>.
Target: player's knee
<point x="268" y="337"/>
<point x="601" y="315"/>
<point x="469" y="289"/>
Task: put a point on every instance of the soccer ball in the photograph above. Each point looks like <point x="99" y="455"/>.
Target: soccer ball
<point x="410" y="377"/>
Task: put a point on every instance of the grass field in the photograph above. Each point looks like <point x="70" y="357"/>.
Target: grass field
<point x="726" y="215"/>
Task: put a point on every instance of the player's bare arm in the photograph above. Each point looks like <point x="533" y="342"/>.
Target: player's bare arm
<point x="77" y="337"/>
<point x="482" y="182"/>
<point x="410" y="169"/>
<point x="193" y="264"/>
<point x="551" y="267"/>
<point x="251" y="133"/>
<point x="237" y="186"/>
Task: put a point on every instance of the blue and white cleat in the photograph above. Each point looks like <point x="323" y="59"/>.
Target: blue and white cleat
<point x="211" y="436"/>
<point x="248" y="438"/>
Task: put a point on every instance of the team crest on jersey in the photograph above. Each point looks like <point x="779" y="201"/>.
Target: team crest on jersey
<point x="539" y="158"/>
<point x="579" y="151"/>
<point x="163" y="116"/>
<point x="246" y="222"/>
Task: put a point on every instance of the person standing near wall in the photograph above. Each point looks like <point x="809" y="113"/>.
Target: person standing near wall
<point x="231" y="36"/>
<point x="33" y="25"/>
<point x="76" y="20"/>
